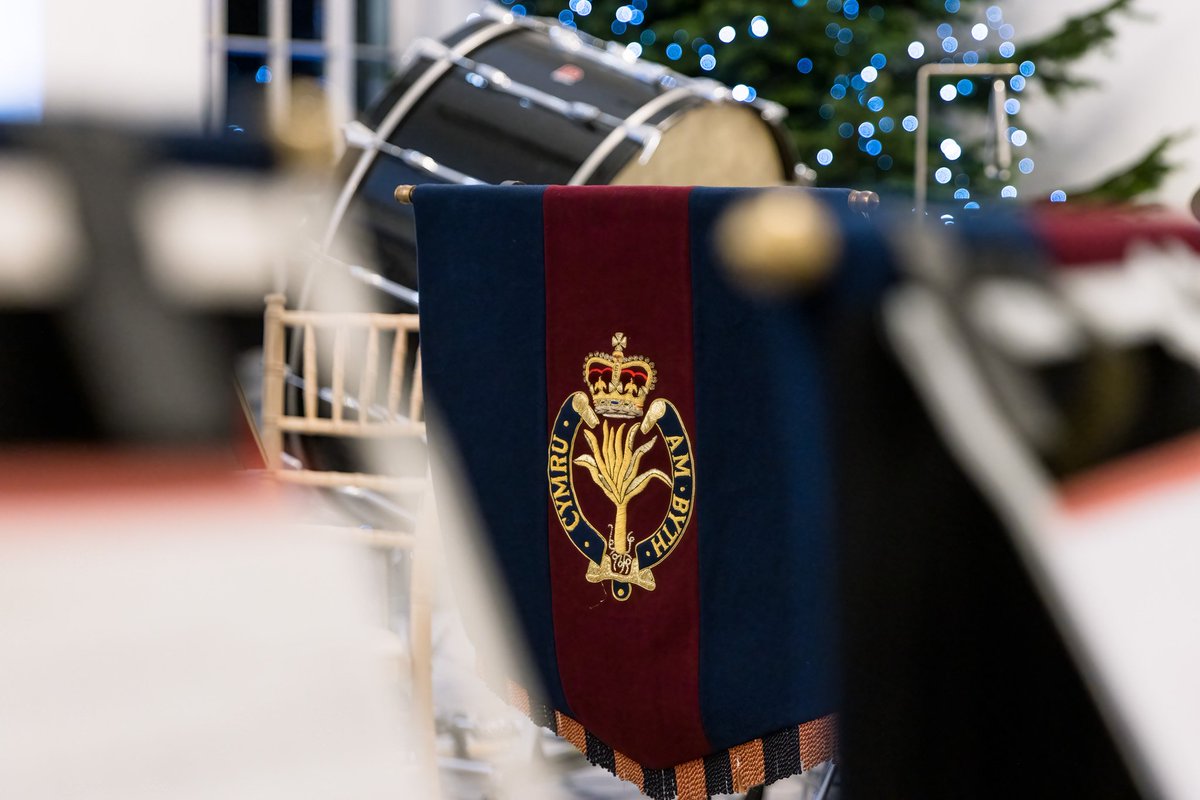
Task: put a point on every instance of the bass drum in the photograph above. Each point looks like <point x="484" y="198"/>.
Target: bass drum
<point x="518" y="99"/>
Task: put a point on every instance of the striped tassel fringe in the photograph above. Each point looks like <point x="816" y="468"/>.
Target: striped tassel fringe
<point x="779" y="755"/>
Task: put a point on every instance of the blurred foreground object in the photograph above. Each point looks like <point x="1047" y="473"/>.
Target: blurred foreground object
<point x="132" y="268"/>
<point x="171" y="631"/>
<point x="169" y="634"/>
<point x="778" y="241"/>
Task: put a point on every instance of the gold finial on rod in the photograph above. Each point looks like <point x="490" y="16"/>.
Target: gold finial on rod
<point x="404" y="193"/>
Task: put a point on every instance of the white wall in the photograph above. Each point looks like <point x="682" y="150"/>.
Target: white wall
<point x="21" y="60"/>
<point x="413" y="19"/>
<point x="1148" y="89"/>
<point x="140" y="61"/>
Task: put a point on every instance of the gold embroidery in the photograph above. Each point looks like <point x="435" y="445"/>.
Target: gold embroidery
<point x="619" y="386"/>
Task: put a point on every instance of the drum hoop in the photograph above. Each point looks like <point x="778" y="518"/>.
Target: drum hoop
<point x="397" y="114"/>
<point x="606" y="147"/>
<point x="591" y="47"/>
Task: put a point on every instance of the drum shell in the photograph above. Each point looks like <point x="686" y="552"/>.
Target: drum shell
<point x="494" y="136"/>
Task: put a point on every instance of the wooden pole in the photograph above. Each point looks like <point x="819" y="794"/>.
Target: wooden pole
<point x="273" y="366"/>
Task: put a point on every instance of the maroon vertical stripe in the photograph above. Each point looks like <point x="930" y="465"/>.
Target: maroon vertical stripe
<point x="617" y="259"/>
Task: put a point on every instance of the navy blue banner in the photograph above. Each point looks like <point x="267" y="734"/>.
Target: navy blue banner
<point x="480" y="250"/>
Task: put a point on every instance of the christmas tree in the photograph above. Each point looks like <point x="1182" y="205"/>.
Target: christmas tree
<point x="846" y="71"/>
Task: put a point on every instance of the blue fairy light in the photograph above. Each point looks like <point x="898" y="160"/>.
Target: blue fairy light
<point x="845" y="36"/>
<point x="837" y="91"/>
<point x="909" y="123"/>
<point x="944" y="30"/>
<point x="1008" y="192"/>
<point x="979" y="32"/>
<point x="879" y="61"/>
<point x="971" y="206"/>
<point x="1008" y="49"/>
<point x="971" y="57"/>
<point x="519" y="10"/>
<point x="759" y="27"/>
<point x="845" y="130"/>
<point x="804" y="66"/>
<point x="966" y="87"/>
<point x="916" y="50"/>
<point x="869" y="74"/>
<point x="825" y="157"/>
<point x="1006" y="31"/>
<point x="727" y="34"/>
<point x="263" y="75"/>
<point x="1017" y="83"/>
<point x="1058" y="196"/>
<point x="885" y="163"/>
<point x="1012" y="106"/>
<point x="1026" y="166"/>
<point x="1019" y="138"/>
<point x="949" y="44"/>
<point x="617" y="26"/>
<point x="887" y="125"/>
<point x="647" y="38"/>
<point x="832" y="30"/>
<point x="962" y="194"/>
<point x="866" y="130"/>
<point x="1028" y="68"/>
<point x="624" y="14"/>
<point x="874" y="147"/>
<point x="875" y="104"/>
<point x="995" y="14"/>
<point x="826" y="111"/>
<point x="943" y="175"/>
<point x="582" y="7"/>
<point x="674" y="51"/>
<point x="953" y="6"/>
<point x="706" y="50"/>
<point x="708" y="62"/>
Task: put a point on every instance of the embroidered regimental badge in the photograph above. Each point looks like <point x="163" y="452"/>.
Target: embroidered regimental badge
<point x="618" y="386"/>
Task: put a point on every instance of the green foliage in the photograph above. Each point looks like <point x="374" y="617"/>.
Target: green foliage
<point x="1144" y="176"/>
<point x="1077" y="37"/>
<point x="817" y="119"/>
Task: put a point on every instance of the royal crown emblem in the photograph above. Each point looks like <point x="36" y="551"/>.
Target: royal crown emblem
<point x="619" y="383"/>
<point x="618" y="387"/>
